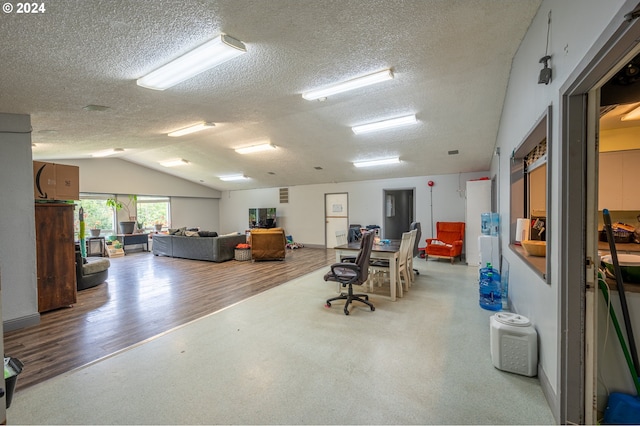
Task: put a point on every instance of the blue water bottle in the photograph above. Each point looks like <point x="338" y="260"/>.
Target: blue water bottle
<point x="490" y="289"/>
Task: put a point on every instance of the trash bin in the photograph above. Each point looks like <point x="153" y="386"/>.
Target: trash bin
<point x="12" y="368"/>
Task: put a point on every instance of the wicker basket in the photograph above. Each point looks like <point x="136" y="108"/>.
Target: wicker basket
<point x="243" y="254"/>
<point x="535" y="248"/>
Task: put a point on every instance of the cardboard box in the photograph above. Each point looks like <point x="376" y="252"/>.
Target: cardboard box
<point x="67" y="182"/>
<point x="55" y="181"/>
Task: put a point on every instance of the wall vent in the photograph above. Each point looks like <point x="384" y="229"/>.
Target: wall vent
<point x="284" y="195"/>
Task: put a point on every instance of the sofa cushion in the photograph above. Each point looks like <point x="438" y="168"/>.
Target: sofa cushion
<point x="95" y="265"/>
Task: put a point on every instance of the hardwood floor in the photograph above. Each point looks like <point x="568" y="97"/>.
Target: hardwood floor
<point x="145" y="295"/>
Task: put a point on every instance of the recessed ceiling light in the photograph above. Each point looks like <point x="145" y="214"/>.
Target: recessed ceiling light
<point x="233" y="177"/>
<point x="95" y="108"/>
<point x="191" y="129"/>
<point x="386" y="124"/>
<point x="174" y="163"/>
<point x="345" y="86"/>
<point x="212" y="53"/>
<point x="255" y="148"/>
<point x="379" y="162"/>
<point x="107" y="152"/>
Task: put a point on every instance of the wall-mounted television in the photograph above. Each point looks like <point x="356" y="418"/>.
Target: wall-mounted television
<point x="262" y="218"/>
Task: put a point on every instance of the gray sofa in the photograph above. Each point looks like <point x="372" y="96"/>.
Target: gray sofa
<point x="214" y="249"/>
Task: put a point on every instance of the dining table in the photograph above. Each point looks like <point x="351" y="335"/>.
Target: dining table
<point x="388" y="251"/>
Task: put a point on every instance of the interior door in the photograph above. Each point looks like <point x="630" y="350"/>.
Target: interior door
<point x="336" y="215"/>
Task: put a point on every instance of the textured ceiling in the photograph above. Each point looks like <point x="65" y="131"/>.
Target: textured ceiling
<point x="451" y="60"/>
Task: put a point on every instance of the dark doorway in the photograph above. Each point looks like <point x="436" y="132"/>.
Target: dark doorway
<point x="398" y="212"/>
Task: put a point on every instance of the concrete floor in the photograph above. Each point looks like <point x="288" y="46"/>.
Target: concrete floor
<point x="281" y="357"/>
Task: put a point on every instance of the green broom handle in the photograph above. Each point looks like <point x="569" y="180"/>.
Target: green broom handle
<point x="614" y="319"/>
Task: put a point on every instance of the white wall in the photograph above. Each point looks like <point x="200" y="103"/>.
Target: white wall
<point x="192" y="204"/>
<point x="303" y="216"/>
<point x="116" y="176"/>
<point x="17" y="224"/>
<point x="203" y="213"/>
<point x="575" y="26"/>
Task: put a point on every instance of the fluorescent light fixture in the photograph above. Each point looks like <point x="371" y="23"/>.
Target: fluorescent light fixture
<point x="233" y="177"/>
<point x="386" y="124"/>
<point x="345" y="86"/>
<point x="107" y="152"/>
<point x="210" y="54"/>
<point x="255" y="148"/>
<point x="174" y="163"/>
<point x="379" y="162"/>
<point x="634" y="114"/>
<point x="191" y="129"/>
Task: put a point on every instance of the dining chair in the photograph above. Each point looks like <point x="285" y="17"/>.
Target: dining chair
<point x="416" y="249"/>
<point x="341" y="237"/>
<point x="409" y="265"/>
<point x="403" y="270"/>
<point x="381" y="268"/>
<point x="350" y="274"/>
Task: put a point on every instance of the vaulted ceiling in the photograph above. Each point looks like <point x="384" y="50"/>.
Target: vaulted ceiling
<point x="450" y="59"/>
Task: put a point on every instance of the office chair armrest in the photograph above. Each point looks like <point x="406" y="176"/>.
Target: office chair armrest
<point x="345" y="265"/>
<point x="346" y="280"/>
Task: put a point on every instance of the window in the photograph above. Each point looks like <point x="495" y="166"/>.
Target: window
<point x="530" y="193"/>
<point x="96" y="214"/>
<point x="153" y="211"/>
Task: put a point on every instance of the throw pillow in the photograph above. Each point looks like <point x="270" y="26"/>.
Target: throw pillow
<point x="208" y="233"/>
<point x="177" y="231"/>
<point x="191" y="234"/>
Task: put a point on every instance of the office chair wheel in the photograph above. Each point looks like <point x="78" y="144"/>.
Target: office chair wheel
<point x="373" y="308"/>
<point x="327" y="305"/>
<point x="346" y="311"/>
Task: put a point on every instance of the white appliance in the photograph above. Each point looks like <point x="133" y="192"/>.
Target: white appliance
<point x="478" y="202"/>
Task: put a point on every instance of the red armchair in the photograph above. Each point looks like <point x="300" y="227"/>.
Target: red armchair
<point x="448" y="241"/>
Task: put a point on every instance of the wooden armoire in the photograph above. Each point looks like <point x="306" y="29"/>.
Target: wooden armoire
<point x="55" y="256"/>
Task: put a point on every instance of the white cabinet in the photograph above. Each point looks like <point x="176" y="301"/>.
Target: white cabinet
<point x="619" y="180"/>
<point x="478" y="202"/>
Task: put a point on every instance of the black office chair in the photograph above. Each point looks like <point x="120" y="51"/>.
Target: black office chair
<point x="348" y="274"/>
<point x="416" y="225"/>
<point x="354" y="234"/>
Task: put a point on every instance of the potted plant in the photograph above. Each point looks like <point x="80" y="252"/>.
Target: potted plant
<point x="126" y="227"/>
<point x="95" y="231"/>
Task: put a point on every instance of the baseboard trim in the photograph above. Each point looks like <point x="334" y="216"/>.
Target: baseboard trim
<point x="22" y="322"/>
<point x="318" y="246"/>
<point x="549" y="394"/>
